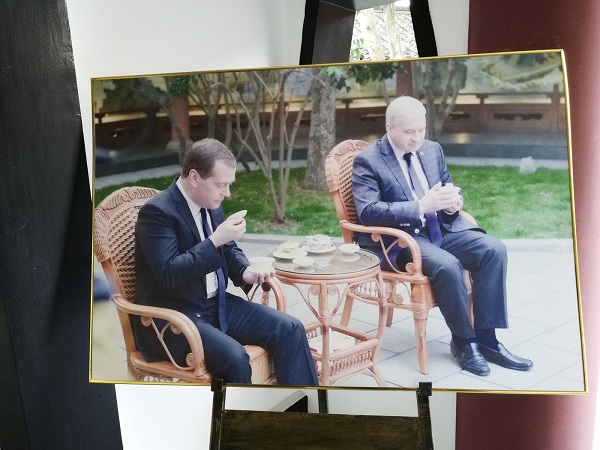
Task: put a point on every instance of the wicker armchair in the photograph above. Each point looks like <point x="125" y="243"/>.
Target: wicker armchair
<point x="403" y="285"/>
<point x="114" y="222"/>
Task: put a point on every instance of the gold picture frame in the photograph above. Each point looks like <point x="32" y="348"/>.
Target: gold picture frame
<point x="507" y="111"/>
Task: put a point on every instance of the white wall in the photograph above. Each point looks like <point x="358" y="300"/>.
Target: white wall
<point x="451" y="26"/>
<point x="178" y="417"/>
<point x="129" y="37"/>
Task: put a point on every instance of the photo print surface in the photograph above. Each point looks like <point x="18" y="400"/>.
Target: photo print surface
<point x="319" y="173"/>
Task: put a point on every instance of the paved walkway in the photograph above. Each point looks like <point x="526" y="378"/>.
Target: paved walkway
<point x="543" y="315"/>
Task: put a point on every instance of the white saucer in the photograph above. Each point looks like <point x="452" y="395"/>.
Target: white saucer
<point x="238" y="215"/>
<point x="261" y="264"/>
<point x="296" y="253"/>
<point x="318" y="251"/>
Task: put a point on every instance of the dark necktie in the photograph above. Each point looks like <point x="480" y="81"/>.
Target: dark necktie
<point x="222" y="286"/>
<point x="431" y="220"/>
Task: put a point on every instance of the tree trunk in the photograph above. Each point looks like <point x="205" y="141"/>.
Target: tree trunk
<point x="393" y="31"/>
<point x="448" y="92"/>
<point x="430" y="102"/>
<point x="166" y="102"/>
<point x="372" y="41"/>
<point x="178" y="111"/>
<point x="322" y="134"/>
<point x="446" y="105"/>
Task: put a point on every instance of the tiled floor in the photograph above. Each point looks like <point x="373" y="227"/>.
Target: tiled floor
<point x="543" y="318"/>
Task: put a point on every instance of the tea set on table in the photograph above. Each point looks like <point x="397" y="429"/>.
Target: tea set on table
<point x="316" y="251"/>
<point x="320" y="246"/>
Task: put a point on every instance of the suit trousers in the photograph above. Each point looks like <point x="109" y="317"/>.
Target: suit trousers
<point x="282" y="335"/>
<point x="485" y="257"/>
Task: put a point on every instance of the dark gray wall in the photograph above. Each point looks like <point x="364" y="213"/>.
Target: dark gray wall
<point x="46" y="401"/>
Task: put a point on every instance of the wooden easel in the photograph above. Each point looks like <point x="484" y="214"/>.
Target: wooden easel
<point x="265" y="430"/>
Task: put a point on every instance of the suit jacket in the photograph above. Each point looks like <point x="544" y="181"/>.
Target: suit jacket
<point x="383" y="196"/>
<point x="171" y="260"/>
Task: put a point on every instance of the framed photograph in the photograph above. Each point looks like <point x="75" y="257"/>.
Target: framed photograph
<point x="318" y="164"/>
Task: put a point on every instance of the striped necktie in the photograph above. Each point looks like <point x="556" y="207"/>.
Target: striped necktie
<point x="431" y="219"/>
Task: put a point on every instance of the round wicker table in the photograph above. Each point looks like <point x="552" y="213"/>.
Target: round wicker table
<point x="338" y="351"/>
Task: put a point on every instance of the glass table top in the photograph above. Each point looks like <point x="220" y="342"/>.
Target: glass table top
<point x="331" y="263"/>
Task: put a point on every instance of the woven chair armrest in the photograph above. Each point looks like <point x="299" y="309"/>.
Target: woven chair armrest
<point x="176" y="319"/>
<point x="400" y="237"/>
<point x="272" y="285"/>
<point x="468" y="216"/>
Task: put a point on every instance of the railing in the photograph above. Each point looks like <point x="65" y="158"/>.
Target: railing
<point x="473" y="112"/>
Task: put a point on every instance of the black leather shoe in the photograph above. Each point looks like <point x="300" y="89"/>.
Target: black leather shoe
<point x="504" y="358"/>
<point x="470" y="358"/>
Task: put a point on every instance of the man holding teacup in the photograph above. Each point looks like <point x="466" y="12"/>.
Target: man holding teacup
<point x="185" y="252"/>
<point x="401" y="181"/>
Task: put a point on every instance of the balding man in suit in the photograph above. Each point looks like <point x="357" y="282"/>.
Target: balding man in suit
<point x="401" y="181"/>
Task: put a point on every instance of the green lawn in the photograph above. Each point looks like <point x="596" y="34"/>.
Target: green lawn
<point x="510" y="205"/>
<point x="504" y="202"/>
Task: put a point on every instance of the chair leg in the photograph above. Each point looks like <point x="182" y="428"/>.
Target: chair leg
<point x="470" y="310"/>
<point x="348" y="303"/>
<point x="378" y="377"/>
<point x="390" y="286"/>
<point x="421" y="340"/>
<point x="421" y="301"/>
<point x="390" y="317"/>
<point x="469" y="284"/>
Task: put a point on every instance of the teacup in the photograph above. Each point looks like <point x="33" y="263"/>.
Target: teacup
<point x="323" y="260"/>
<point x="348" y="249"/>
<point x="451" y="188"/>
<point x="318" y="242"/>
<point x="318" y="238"/>
<point x="289" y="246"/>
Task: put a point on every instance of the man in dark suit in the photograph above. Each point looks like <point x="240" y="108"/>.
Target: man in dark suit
<point x="401" y="181"/>
<point x="185" y="252"/>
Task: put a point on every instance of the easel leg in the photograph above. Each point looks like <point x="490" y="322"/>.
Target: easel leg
<point x="323" y="403"/>
<point x="216" y="425"/>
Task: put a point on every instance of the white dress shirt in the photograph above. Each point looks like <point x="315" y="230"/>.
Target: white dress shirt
<point x="212" y="283"/>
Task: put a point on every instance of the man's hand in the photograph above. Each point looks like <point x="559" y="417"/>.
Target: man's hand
<point x="257" y="278"/>
<point x="440" y="197"/>
<point x="456" y="206"/>
<point x="228" y="231"/>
